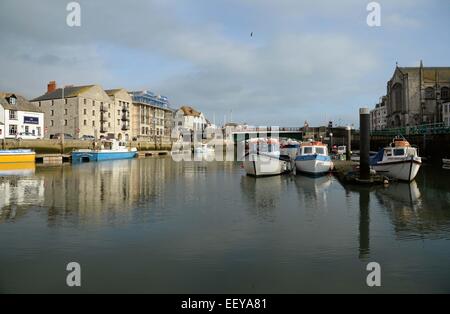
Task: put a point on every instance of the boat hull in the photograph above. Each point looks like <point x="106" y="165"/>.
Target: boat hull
<point x="17" y="156"/>
<point x="405" y="170"/>
<point x="102" y="156"/>
<point x="314" y="164"/>
<point x="260" y="165"/>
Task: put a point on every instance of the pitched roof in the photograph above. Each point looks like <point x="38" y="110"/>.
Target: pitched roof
<point x="189" y="111"/>
<point x="430" y="73"/>
<point x="69" y="92"/>
<point x="112" y="92"/>
<point x="22" y="104"/>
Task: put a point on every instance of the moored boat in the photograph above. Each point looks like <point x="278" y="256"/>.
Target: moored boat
<point x="398" y="161"/>
<point x="313" y="159"/>
<point x="264" y="159"/>
<point x="17" y="156"/>
<point x="110" y="150"/>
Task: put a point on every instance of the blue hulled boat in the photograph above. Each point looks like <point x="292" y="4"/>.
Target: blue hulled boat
<point x="110" y="150"/>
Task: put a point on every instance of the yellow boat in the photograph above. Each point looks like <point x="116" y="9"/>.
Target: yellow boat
<point x="17" y="156"/>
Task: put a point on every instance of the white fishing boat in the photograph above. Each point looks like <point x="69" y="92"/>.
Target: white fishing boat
<point x="313" y="159"/>
<point x="264" y="159"/>
<point x="398" y="161"/>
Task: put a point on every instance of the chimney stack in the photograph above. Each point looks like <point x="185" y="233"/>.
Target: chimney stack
<point x="51" y="87"/>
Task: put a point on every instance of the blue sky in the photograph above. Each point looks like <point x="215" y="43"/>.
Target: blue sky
<point x="307" y="60"/>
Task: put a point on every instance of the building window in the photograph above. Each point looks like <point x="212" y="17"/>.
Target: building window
<point x="65" y="112"/>
<point x="85" y="122"/>
<point x="52" y="123"/>
<point x="118" y="121"/>
<point x="12" y="115"/>
<point x="429" y="93"/>
<point x="12" y="129"/>
<point x="84" y="101"/>
<point x="38" y="131"/>
<point x="93" y="123"/>
<point x="52" y="112"/>
<point x="445" y="93"/>
<point x="65" y="101"/>
<point x="93" y="113"/>
<point x="85" y="112"/>
<point x="65" y="122"/>
<point x="27" y="130"/>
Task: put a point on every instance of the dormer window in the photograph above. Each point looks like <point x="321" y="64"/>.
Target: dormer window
<point x="12" y="100"/>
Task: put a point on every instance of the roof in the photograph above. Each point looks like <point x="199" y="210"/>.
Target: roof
<point x="112" y="92"/>
<point x="69" y="92"/>
<point x="189" y="111"/>
<point x="22" y="104"/>
<point x="430" y="73"/>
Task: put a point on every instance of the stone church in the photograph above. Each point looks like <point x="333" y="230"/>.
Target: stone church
<point x="415" y="95"/>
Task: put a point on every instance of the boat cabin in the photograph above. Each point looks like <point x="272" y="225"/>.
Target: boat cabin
<point x="314" y="148"/>
<point x="265" y="145"/>
<point x="400" y="148"/>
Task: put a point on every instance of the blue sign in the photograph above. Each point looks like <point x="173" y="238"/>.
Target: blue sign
<point x="30" y="120"/>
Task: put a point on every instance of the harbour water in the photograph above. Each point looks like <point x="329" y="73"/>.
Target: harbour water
<point x="158" y="226"/>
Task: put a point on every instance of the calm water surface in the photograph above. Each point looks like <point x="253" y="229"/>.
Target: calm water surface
<point x="156" y="226"/>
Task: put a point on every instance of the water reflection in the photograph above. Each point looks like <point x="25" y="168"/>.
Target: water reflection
<point x="263" y="194"/>
<point x="313" y="192"/>
<point x="89" y="193"/>
<point x="18" y="190"/>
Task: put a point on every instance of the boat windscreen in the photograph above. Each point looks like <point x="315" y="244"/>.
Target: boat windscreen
<point x="377" y="158"/>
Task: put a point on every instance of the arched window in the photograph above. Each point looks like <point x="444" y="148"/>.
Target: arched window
<point x="445" y="93"/>
<point x="429" y="93"/>
<point x="397" y="98"/>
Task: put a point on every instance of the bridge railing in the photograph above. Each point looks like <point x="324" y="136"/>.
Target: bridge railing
<point x="431" y="128"/>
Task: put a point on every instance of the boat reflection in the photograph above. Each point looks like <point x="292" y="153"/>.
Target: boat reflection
<point x="17" y="169"/>
<point x="312" y="191"/>
<point x="263" y="194"/>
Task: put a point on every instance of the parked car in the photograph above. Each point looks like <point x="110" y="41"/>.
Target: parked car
<point x="58" y="136"/>
<point x="88" y="138"/>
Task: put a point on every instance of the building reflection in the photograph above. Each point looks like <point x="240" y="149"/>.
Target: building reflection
<point x="92" y="192"/>
<point x="19" y="190"/>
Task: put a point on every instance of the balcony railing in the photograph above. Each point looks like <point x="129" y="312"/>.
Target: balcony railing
<point x="103" y="108"/>
<point x="433" y="128"/>
<point x="125" y="117"/>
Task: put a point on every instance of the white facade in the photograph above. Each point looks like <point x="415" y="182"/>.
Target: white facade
<point x="190" y="121"/>
<point x="378" y="118"/>
<point x="446" y="113"/>
<point x="19" y="119"/>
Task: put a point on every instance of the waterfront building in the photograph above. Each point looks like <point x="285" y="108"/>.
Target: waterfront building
<point x="188" y="118"/>
<point x="446" y="113"/>
<point x="76" y="110"/>
<point x="151" y="115"/>
<point x="120" y="117"/>
<point x="378" y="116"/>
<point x="415" y="95"/>
<point x="19" y="119"/>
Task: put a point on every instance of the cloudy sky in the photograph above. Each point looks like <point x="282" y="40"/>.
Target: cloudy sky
<point x="312" y="60"/>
